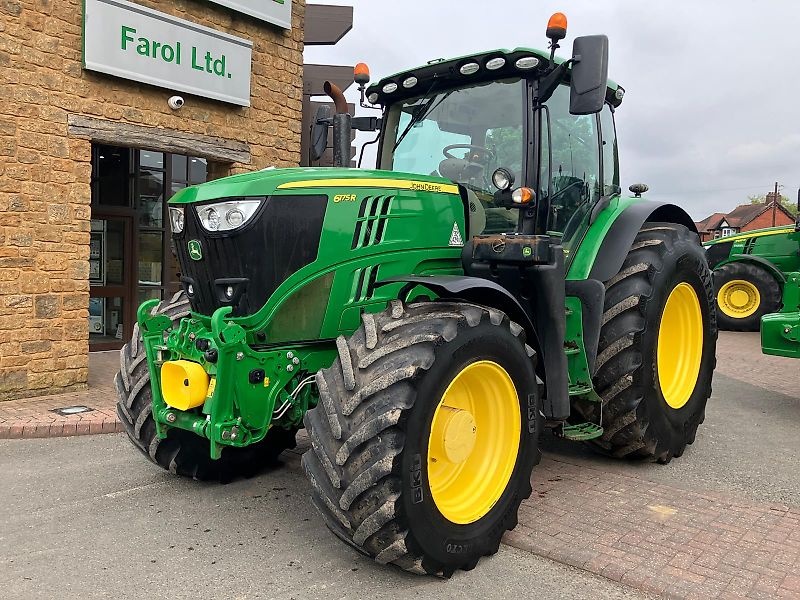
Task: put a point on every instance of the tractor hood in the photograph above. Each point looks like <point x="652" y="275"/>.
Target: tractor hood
<point x="282" y="216"/>
<point x="302" y="180"/>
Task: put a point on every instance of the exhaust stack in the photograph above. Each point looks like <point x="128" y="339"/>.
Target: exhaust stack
<point x="342" y="126"/>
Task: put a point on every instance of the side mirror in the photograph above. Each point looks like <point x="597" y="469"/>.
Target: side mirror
<point x="319" y="132"/>
<point x="589" y="74"/>
<point x="637" y="189"/>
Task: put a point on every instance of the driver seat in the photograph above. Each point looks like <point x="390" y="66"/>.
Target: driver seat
<point x="452" y="168"/>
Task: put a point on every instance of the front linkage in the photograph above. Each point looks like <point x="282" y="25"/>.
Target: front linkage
<point x="221" y="395"/>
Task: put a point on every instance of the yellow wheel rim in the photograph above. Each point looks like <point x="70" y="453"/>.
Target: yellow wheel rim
<point x="738" y="299"/>
<point x="680" y="345"/>
<point x="474" y="442"/>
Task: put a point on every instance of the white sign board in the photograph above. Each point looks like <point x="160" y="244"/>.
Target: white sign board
<point x="278" y="12"/>
<point x="127" y="40"/>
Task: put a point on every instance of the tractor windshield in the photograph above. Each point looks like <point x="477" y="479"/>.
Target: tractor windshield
<point x="462" y="134"/>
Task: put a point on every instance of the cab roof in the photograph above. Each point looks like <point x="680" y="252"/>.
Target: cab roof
<point x="491" y="65"/>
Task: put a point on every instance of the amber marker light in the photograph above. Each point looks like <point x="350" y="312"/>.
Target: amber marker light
<point x="557" y="26"/>
<point x="523" y="195"/>
<point x="361" y="74"/>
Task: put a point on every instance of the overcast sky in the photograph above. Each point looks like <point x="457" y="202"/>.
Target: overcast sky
<point x="711" y="111"/>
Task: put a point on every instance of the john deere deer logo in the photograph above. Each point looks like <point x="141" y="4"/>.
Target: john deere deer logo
<point x="195" y="250"/>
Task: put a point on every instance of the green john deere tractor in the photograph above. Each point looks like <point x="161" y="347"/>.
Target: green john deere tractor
<point x="424" y="321"/>
<point x="750" y="271"/>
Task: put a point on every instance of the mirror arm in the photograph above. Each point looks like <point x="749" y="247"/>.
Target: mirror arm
<point x="367" y="123"/>
<point x="549" y="83"/>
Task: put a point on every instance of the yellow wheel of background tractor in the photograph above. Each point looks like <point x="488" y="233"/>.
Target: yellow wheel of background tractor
<point x="738" y="299"/>
<point x="745" y="293"/>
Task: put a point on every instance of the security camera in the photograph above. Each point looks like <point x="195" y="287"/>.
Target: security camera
<point x="176" y="102"/>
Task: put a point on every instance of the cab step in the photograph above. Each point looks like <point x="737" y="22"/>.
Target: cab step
<point x="581" y="432"/>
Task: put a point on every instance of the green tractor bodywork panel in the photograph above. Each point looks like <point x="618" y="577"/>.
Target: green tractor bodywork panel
<point x="780" y="332"/>
<point x="306" y="265"/>
<point x="777" y="249"/>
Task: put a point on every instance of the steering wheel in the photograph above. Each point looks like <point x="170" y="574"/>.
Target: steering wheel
<point x="484" y="151"/>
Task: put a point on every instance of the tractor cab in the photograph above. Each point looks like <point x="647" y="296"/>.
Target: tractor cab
<point x="508" y="120"/>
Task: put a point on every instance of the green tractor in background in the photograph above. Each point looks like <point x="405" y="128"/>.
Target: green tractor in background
<point x="424" y="321"/>
<point x="750" y="272"/>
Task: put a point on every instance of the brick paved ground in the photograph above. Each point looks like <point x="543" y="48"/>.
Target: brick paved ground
<point x="739" y="356"/>
<point x="659" y="538"/>
<point x="32" y="417"/>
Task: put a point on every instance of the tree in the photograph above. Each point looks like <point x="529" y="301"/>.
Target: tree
<point x="787" y="203"/>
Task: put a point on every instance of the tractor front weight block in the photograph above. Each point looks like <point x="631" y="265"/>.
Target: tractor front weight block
<point x="233" y="393"/>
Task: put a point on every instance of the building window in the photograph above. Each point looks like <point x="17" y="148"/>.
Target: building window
<point x="728" y="231"/>
<point x="130" y="257"/>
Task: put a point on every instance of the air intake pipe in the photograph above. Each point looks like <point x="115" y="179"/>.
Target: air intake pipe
<point x="342" y="126"/>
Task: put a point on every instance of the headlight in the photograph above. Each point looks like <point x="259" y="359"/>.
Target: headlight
<point x="176" y="219"/>
<point x="226" y="216"/>
<point x="502" y="179"/>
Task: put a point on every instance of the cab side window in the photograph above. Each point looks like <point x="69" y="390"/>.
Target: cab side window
<point x="573" y="166"/>
<point x="610" y="153"/>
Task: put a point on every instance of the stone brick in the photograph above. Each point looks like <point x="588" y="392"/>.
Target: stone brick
<point x="35" y="347"/>
<point x="74" y="301"/>
<point x="13" y="380"/>
<point x="52" y="261"/>
<point x="32" y="282"/>
<point x="47" y="307"/>
<point x="18" y="301"/>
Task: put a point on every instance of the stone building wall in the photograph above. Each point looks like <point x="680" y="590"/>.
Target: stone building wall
<point x="45" y="173"/>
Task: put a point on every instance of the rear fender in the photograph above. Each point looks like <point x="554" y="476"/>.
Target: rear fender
<point x="755" y="260"/>
<point x="619" y="239"/>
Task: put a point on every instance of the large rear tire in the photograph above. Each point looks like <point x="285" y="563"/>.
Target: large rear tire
<point x="182" y="452"/>
<point x="656" y="355"/>
<point x="744" y="293"/>
<point x="425" y="435"/>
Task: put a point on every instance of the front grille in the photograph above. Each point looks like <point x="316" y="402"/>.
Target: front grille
<point x="281" y="238"/>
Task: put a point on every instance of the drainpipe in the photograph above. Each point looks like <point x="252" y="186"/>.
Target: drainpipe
<point x="341" y="126"/>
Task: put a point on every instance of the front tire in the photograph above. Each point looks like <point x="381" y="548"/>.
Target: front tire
<point x="744" y="293"/>
<point x="182" y="452"/>
<point x="656" y="355"/>
<point x="420" y="395"/>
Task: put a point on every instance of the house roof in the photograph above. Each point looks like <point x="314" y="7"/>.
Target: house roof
<point x="738" y="217"/>
<point x="711" y="222"/>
